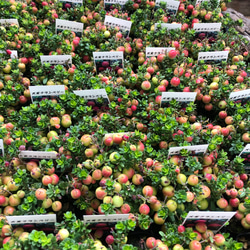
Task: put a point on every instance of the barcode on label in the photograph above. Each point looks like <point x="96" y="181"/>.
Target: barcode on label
<point x="155" y="51"/>
<point x="92" y="93"/>
<point x="1" y="148"/>
<point x="113" y="22"/>
<point x="58" y="59"/>
<point x="13" y="54"/>
<point x="30" y="219"/>
<point x="207" y="27"/>
<point x="240" y="94"/>
<point x="6" y="22"/>
<point x="196" y="149"/>
<point x="213" y="56"/>
<point x="68" y="25"/>
<point x="169" y="26"/>
<point x="105" y="218"/>
<point x="178" y="96"/>
<point x="37" y="154"/>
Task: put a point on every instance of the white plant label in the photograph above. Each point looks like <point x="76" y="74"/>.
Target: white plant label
<point x="207" y="27"/>
<point x="184" y="97"/>
<point x="13" y="55"/>
<point x="105" y="218"/>
<point x="195" y="150"/>
<point x="239" y="95"/>
<point x="113" y="22"/>
<point x="169" y="26"/>
<point x="171" y="5"/>
<point x="213" y="56"/>
<point x="105" y="60"/>
<point x="31" y="219"/>
<point x="155" y="51"/>
<point x="69" y="25"/>
<point x="1" y="148"/>
<point x="245" y="153"/>
<point x="201" y="1"/>
<point x="6" y="22"/>
<point x="37" y="154"/>
<point x="92" y="94"/>
<point x="39" y="92"/>
<point x="58" y="59"/>
<point x="73" y="1"/>
<point x="114" y="2"/>
<point x="214" y="220"/>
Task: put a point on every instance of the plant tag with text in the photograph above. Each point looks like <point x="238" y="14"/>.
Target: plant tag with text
<point x="69" y="25"/>
<point x="113" y="22"/>
<point x="105" y="218"/>
<point x="245" y="153"/>
<point x="71" y="3"/>
<point x="155" y="51"/>
<point x="183" y="97"/>
<point x="172" y="6"/>
<point x="39" y="93"/>
<point x="213" y="57"/>
<point x="37" y="154"/>
<point x="207" y="30"/>
<point x="1" y="148"/>
<point x="214" y="220"/>
<point x="194" y="150"/>
<point x="240" y="96"/>
<point x="92" y="96"/>
<point x="58" y="59"/>
<point x="110" y="3"/>
<point x="13" y="54"/>
<point x="6" y="22"/>
<point x="169" y="26"/>
<point x="112" y="60"/>
<point x="44" y="222"/>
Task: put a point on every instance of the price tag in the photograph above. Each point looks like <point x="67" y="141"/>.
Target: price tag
<point x="58" y="59"/>
<point x="172" y="6"/>
<point x="214" y="220"/>
<point x="105" y="218"/>
<point x="45" y="222"/>
<point x="69" y="25"/>
<point x="93" y="94"/>
<point x="155" y="51"/>
<point x="110" y="3"/>
<point x="46" y="92"/>
<point x="1" y="148"/>
<point x="37" y="154"/>
<point x="71" y="3"/>
<point x="13" y="54"/>
<point x="206" y="30"/>
<point x="194" y="150"/>
<point x="183" y="97"/>
<point x="108" y="60"/>
<point x="113" y="22"/>
<point x="213" y="57"/>
<point x="240" y="96"/>
<point x="6" y="22"/>
<point x="245" y="153"/>
<point x="169" y="26"/>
